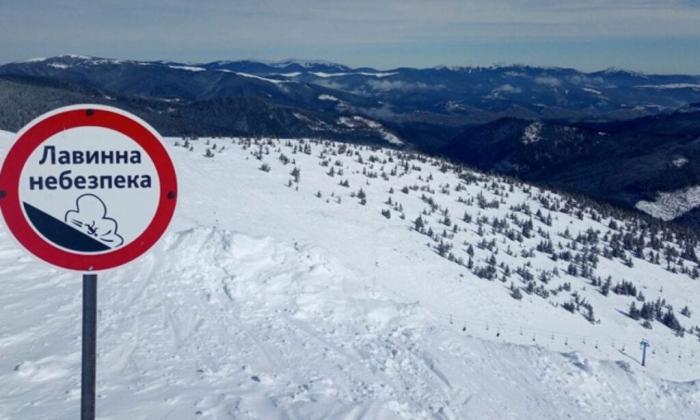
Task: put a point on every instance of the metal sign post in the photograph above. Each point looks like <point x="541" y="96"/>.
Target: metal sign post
<point x="87" y="188"/>
<point x="89" y="362"/>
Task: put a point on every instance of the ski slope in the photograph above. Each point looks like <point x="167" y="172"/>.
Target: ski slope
<point x="266" y="301"/>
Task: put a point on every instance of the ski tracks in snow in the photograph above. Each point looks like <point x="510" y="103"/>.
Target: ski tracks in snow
<point x="286" y="332"/>
<point x="217" y="325"/>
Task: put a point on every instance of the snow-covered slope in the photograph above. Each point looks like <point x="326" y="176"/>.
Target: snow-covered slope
<point x="283" y="294"/>
<point x="670" y="205"/>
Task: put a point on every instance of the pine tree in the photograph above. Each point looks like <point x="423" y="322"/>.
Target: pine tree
<point x="590" y="316"/>
<point x="634" y="313"/>
<point x="515" y="292"/>
<point x="669" y="319"/>
<point x="296" y="173"/>
<point x="443" y="248"/>
<point x="647" y="311"/>
<point x="470" y="250"/>
<point x="418" y="224"/>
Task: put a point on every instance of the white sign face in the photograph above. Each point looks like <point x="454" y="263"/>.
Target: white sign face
<point x="88" y="187"/>
<point x="111" y="198"/>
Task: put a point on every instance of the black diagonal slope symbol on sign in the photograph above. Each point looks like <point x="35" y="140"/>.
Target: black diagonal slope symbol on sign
<point x="60" y="233"/>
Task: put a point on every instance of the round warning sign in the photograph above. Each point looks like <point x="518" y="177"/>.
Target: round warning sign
<point x="87" y="188"/>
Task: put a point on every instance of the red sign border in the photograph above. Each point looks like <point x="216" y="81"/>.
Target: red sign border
<point x="40" y="130"/>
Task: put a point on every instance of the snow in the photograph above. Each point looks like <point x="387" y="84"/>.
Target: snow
<point x="34" y="60"/>
<point x="325" y="97"/>
<point x="506" y="88"/>
<point x="618" y="70"/>
<point x="679" y="162"/>
<point x="188" y="68"/>
<point x="80" y="60"/>
<point x="97" y="62"/>
<point x="284" y="63"/>
<point x="75" y="56"/>
<point x="357" y="120"/>
<point x="380" y="75"/>
<point x="671" y="205"/>
<point x="654" y="107"/>
<point x="532" y="133"/>
<point x="690" y="108"/>
<point x="302" y="62"/>
<point x="389" y="137"/>
<point x="455" y="106"/>
<point x="327" y="75"/>
<point x="292" y="74"/>
<point x="252" y="76"/>
<point x="346" y="122"/>
<point x="591" y="90"/>
<point x="265" y="301"/>
<point x="510" y="73"/>
<point x="671" y="86"/>
<point x="314" y="124"/>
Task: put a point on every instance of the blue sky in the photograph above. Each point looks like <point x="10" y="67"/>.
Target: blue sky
<point x="650" y="36"/>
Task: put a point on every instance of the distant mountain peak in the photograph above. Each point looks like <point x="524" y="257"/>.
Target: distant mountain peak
<point x="307" y="63"/>
<point x="496" y="66"/>
<point x="75" y="59"/>
<point x="290" y="63"/>
<point x="54" y="58"/>
<point x="33" y="60"/>
<point x="618" y="70"/>
<point x="76" y="56"/>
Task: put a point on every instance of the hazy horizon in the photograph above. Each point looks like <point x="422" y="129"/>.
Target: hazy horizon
<point x="640" y="35"/>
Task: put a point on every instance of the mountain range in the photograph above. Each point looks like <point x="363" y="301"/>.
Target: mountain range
<point x="620" y="136"/>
